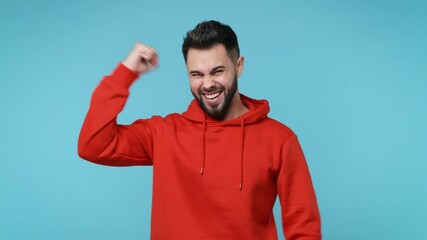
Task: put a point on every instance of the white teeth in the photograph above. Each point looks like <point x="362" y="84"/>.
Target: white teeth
<point x="212" y="96"/>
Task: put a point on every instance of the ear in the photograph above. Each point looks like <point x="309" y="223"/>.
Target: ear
<point x="239" y="66"/>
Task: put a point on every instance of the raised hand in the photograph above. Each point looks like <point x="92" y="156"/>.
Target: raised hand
<point x="142" y="58"/>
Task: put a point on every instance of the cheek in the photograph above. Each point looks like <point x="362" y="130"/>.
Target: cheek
<point x="226" y="80"/>
<point x="195" y="85"/>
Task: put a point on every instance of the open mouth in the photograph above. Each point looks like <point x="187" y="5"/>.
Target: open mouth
<point x="211" y="96"/>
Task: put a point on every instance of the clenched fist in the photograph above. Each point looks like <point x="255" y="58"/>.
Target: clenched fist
<point x="141" y="59"/>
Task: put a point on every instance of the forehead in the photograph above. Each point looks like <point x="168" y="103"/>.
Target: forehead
<point x="207" y="59"/>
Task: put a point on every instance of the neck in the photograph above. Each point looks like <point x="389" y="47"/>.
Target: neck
<point x="236" y="109"/>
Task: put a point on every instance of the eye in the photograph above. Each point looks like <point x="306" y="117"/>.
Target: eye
<point x="196" y="75"/>
<point x="218" y="72"/>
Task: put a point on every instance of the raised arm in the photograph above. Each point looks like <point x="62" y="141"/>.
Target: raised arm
<point x="101" y="139"/>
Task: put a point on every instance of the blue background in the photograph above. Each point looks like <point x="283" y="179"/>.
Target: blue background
<point x="349" y="77"/>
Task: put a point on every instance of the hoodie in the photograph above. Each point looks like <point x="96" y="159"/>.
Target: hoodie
<point x="211" y="179"/>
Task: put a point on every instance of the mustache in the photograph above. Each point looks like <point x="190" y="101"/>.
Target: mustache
<point x="211" y="89"/>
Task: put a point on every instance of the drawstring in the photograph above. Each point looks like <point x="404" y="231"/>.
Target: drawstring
<point x="242" y="144"/>
<point x="241" y="153"/>
<point x="202" y="168"/>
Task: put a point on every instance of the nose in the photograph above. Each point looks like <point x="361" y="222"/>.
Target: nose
<point x="209" y="82"/>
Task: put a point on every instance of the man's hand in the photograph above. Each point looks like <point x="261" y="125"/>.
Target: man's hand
<point x="141" y="59"/>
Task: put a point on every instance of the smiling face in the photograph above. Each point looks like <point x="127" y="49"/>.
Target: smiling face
<point x="213" y="79"/>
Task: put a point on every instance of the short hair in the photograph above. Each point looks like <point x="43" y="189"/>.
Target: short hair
<point x="209" y="33"/>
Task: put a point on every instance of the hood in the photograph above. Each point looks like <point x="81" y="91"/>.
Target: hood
<point x="258" y="110"/>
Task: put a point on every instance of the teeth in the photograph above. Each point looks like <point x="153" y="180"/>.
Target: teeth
<point x="212" y="96"/>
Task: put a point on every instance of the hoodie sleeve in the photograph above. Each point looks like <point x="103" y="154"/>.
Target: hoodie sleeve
<point x="101" y="139"/>
<point x="300" y="214"/>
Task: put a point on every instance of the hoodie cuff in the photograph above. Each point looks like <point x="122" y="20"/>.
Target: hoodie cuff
<point x="124" y="76"/>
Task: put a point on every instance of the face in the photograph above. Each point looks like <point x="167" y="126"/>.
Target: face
<point x="213" y="79"/>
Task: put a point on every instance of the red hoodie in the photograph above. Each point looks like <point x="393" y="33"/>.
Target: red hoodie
<point x="211" y="179"/>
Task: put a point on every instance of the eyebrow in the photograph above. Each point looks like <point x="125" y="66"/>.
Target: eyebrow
<point x="213" y="70"/>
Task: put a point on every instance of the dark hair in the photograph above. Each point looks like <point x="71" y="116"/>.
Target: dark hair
<point x="209" y="33"/>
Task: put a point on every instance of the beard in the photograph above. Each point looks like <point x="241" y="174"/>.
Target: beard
<point x="217" y="111"/>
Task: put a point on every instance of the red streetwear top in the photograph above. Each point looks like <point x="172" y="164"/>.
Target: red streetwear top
<point x="211" y="179"/>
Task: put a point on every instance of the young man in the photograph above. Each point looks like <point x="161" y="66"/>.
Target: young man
<point x="219" y="166"/>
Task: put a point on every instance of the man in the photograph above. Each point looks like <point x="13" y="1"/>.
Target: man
<point x="219" y="166"/>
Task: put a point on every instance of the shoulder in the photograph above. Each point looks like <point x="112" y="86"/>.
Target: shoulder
<point x="158" y="121"/>
<point x="276" y="129"/>
<point x="155" y="124"/>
